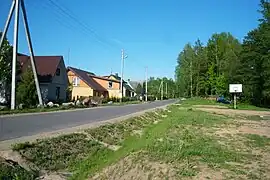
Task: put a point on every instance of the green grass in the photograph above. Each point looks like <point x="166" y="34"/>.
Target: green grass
<point x="185" y="143"/>
<point x="60" y="152"/>
<point x="36" y="110"/>
<point x="255" y="140"/>
<point x="60" y="108"/>
<point x="244" y="106"/>
<point x="14" y="171"/>
<point x="182" y="138"/>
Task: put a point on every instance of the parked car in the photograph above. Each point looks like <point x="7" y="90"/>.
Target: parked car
<point x="221" y="99"/>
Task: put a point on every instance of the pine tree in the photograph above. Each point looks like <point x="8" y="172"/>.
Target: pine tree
<point x="26" y="91"/>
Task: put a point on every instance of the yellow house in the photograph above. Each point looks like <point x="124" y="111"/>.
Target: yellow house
<point x="83" y="84"/>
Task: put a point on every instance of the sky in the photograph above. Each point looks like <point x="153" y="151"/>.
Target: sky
<point x="91" y="33"/>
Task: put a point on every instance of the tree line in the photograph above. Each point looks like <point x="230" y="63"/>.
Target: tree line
<point x="204" y="70"/>
<point x="158" y="88"/>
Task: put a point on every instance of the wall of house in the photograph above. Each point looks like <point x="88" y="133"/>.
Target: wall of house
<point x="114" y="91"/>
<point x="78" y="92"/>
<point x="60" y="81"/>
<point x="81" y="90"/>
<point x="105" y="83"/>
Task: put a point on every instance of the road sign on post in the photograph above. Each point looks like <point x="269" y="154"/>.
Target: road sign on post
<point x="235" y="88"/>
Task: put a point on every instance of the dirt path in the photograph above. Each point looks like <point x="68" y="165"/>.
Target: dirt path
<point x="225" y="111"/>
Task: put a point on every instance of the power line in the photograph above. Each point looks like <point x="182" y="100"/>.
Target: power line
<point x="68" y="13"/>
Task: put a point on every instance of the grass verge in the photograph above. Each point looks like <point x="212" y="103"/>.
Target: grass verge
<point x="176" y="143"/>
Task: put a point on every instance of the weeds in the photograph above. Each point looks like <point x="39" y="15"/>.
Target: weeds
<point x="14" y="171"/>
<point x="180" y="139"/>
<point x="58" y="153"/>
<point x="255" y="140"/>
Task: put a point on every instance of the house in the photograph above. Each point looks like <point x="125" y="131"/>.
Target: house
<point x="128" y="91"/>
<point x="111" y="85"/>
<point x="84" y="84"/>
<point x="52" y="76"/>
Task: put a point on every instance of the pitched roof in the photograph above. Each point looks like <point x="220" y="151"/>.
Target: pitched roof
<point x="105" y="78"/>
<point x="118" y="78"/>
<point x="134" y="84"/>
<point x="128" y="87"/>
<point x="87" y="77"/>
<point x="45" y="65"/>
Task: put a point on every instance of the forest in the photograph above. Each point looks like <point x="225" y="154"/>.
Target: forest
<point x="208" y="69"/>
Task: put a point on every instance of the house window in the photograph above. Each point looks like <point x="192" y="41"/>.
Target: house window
<point x="57" y="92"/>
<point x="110" y="84"/>
<point x="76" y="81"/>
<point x="57" y="72"/>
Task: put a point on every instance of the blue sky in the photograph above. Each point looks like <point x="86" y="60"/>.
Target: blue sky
<point x="152" y="32"/>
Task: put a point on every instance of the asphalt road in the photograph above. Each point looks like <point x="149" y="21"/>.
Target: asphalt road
<point x="26" y="125"/>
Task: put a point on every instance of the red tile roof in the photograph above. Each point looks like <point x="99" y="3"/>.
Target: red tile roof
<point x="87" y="77"/>
<point x="45" y="65"/>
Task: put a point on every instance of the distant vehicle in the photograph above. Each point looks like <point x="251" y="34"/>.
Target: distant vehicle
<point x="221" y="99"/>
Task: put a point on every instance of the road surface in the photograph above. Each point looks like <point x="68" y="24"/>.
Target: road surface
<point x="12" y="127"/>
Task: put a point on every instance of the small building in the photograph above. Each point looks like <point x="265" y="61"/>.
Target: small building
<point x="128" y="91"/>
<point x="84" y="84"/>
<point x="52" y="76"/>
<point x="111" y="85"/>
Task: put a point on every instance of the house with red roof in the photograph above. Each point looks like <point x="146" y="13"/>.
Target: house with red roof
<point x="52" y="76"/>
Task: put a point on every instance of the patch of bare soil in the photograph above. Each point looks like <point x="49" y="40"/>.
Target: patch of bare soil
<point x="231" y="135"/>
<point x="210" y="106"/>
<point x="208" y="173"/>
<point x="232" y="112"/>
<point x="131" y="168"/>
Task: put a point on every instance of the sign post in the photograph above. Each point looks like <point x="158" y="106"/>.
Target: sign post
<point x="234" y="101"/>
<point x="235" y="88"/>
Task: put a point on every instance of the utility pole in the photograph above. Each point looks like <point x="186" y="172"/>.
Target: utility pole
<point x="123" y="57"/>
<point x="166" y="90"/>
<point x="14" y="57"/>
<point x="191" y="79"/>
<point x="146" y="79"/>
<point x="162" y="90"/>
<point x="16" y="5"/>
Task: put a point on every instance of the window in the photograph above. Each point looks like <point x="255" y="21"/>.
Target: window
<point x="76" y="81"/>
<point x="110" y="84"/>
<point x="57" y="92"/>
<point x="57" y="72"/>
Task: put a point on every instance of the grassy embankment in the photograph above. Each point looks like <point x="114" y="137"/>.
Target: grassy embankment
<point x="178" y="143"/>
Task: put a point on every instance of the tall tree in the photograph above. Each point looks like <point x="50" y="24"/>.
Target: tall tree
<point x="185" y="70"/>
<point x="254" y="68"/>
<point x="5" y="69"/>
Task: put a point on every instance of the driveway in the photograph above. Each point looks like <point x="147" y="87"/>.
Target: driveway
<point x="12" y="127"/>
